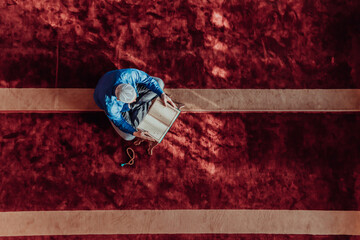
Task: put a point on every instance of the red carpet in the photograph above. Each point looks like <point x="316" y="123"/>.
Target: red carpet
<point x="223" y="44"/>
<point x="307" y="161"/>
<point x="208" y="161"/>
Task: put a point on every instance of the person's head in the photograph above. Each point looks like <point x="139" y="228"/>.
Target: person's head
<point x="125" y="93"/>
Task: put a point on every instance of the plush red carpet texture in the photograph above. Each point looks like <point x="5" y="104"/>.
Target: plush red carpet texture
<point x="188" y="237"/>
<point x="190" y="44"/>
<point x="207" y="161"/>
<point x="307" y="161"/>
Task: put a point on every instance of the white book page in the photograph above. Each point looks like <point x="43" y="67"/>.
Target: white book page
<point x="164" y="114"/>
<point x="155" y="128"/>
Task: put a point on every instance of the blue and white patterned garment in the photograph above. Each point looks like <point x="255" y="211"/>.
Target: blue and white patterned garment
<point x="105" y="98"/>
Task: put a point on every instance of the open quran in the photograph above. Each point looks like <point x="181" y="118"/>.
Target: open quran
<point x="159" y="119"/>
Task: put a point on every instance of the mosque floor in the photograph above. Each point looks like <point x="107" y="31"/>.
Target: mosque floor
<point x="223" y="160"/>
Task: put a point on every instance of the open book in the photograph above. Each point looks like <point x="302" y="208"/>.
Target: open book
<point x="159" y="119"/>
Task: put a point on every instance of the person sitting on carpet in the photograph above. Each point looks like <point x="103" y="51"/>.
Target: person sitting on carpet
<point x="125" y="95"/>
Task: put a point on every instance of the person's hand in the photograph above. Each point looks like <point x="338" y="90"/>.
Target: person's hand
<point x="144" y="135"/>
<point x="166" y="99"/>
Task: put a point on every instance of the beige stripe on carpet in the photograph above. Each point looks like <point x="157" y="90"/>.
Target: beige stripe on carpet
<point x="196" y="100"/>
<point x="180" y="222"/>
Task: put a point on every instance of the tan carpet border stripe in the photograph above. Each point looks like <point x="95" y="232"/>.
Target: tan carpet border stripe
<point x="180" y="222"/>
<point x="196" y="100"/>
